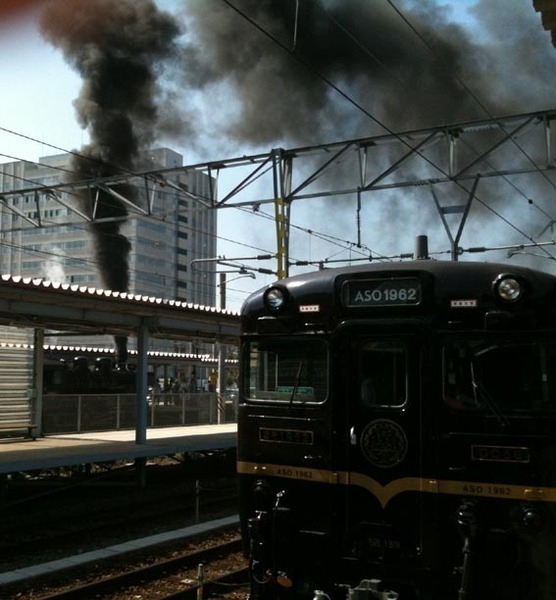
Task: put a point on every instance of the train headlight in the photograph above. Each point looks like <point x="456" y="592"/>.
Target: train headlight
<point x="508" y="288"/>
<point x="275" y="298"/>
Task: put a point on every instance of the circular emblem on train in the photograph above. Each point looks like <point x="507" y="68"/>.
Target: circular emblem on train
<point x="384" y="443"/>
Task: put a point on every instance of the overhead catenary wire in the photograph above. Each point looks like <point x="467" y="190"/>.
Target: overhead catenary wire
<point x="42" y="188"/>
<point x="344" y="244"/>
<point x="508" y="222"/>
<point x="117" y="168"/>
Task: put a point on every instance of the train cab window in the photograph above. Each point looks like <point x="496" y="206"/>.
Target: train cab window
<point x="383" y="374"/>
<point x="293" y="371"/>
<point x="499" y="376"/>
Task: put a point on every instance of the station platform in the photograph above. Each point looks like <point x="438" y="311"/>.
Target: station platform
<point x="95" y="447"/>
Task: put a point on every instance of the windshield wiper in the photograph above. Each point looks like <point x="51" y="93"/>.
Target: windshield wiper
<point x="296" y="383"/>
<point x="482" y="396"/>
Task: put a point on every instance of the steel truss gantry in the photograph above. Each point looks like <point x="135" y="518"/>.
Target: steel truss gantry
<point x="459" y="154"/>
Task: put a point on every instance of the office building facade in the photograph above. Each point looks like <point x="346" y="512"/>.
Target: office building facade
<point x="42" y="235"/>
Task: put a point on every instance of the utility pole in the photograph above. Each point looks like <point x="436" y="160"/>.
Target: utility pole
<point x="282" y="178"/>
<point x="221" y="381"/>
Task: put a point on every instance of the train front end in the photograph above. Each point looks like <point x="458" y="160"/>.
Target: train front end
<point x="395" y="434"/>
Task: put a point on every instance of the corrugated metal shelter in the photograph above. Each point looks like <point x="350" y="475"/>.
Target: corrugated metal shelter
<point x="16" y="371"/>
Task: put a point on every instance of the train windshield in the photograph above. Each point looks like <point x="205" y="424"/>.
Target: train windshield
<point x="499" y="376"/>
<point x="289" y="370"/>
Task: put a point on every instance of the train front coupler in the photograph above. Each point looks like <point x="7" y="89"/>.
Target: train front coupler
<point x="269" y="535"/>
<point x="466" y="517"/>
<point x="258" y="548"/>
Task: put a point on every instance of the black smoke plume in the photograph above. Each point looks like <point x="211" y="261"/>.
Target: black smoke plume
<point x="405" y="62"/>
<point x="258" y="73"/>
<point x="118" y="48"/>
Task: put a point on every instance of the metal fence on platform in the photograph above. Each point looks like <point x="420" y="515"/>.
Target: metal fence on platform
<point x="80" y="413"/>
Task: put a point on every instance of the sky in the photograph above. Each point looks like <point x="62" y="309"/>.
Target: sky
<point x="233" y="93"/>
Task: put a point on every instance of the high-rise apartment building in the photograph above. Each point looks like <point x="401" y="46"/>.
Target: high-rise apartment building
<point x="164" y="243"/>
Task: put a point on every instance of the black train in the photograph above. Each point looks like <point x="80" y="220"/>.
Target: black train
<point x="80" y="378"/>
<point x="397" y="433"/>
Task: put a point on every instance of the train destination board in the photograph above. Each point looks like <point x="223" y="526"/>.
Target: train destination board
<point x="382" y="292"/>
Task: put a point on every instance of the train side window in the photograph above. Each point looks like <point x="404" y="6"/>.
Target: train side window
<point x="383" y="374"/>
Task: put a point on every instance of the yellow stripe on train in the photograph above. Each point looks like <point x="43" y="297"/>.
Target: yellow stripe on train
<point x="384" y="493"/>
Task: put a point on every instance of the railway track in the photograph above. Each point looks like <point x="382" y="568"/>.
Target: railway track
<point x="85" y="535"/>
<point x="60" y="535"/>
<point x="222" y="566"/>
<point x="83" y="518"/>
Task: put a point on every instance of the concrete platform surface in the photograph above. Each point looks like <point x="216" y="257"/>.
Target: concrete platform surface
<point x="94" y="447"/>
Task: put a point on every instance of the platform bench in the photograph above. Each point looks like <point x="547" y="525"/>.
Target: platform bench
<point x="30" y="427"/>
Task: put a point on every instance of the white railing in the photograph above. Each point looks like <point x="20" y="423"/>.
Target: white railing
<point x="78" y="413"/>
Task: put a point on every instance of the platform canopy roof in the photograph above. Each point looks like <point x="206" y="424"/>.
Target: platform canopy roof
<point x="35" y="303"/>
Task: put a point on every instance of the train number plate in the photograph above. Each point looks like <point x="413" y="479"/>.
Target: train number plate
<point x="514" y="454"/>
<point x="382" y="292"/>
<point x="285" y="436"/>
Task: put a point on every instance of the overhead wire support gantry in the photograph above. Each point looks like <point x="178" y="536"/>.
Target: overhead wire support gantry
<point x="461" y="154"/>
